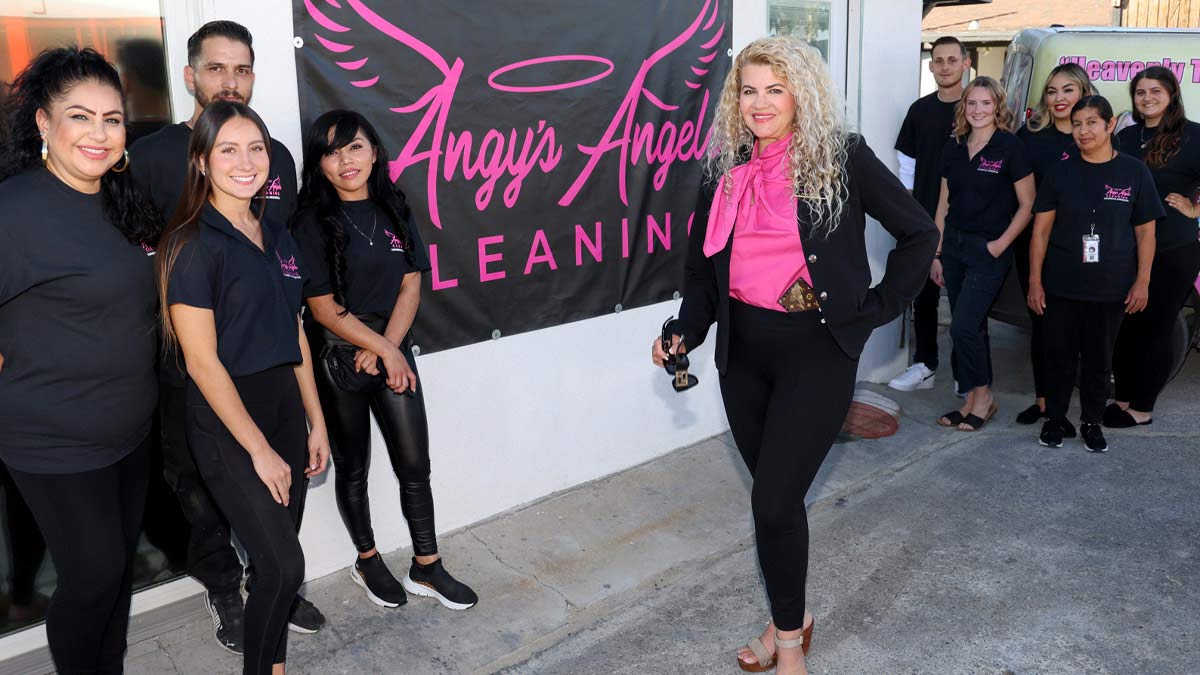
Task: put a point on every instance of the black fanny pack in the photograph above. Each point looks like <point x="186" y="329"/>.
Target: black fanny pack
<point x="338" y="356"/>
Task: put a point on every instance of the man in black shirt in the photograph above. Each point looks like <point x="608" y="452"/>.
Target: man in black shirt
<point x="927" y="127"/>
<point x="220" y="66"/>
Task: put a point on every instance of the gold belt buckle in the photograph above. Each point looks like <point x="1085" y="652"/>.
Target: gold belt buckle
<point x="799" y="297"/>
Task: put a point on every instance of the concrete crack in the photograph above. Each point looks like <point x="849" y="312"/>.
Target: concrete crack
<point x="570" y="605"/>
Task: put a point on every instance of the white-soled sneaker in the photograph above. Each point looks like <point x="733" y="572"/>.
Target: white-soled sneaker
<point x="917" y="376"/>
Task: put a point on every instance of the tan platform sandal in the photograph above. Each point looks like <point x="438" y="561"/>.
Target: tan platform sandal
<point x="765" y="659"/>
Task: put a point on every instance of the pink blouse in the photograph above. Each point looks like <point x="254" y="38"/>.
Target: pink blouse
<point x="767" y="256"/>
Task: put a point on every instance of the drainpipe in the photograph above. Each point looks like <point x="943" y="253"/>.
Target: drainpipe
<point x="1118" y="11"/>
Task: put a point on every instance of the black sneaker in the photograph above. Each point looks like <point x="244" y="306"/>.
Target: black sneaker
<point x="374" y="577"/>
<point x="1030" y="415"/>
<point x="1093" y="437"/>
<point x="1068" y="429"/>
<point x="433" y="581"/>
<point x="305" y="617"/>
<point x="1052" y="434"/>
<point x="227" y="611"/>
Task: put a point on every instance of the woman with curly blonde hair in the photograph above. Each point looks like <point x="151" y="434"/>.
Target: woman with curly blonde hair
<point x="985" y="202"/>
<point x="781" y="267"/>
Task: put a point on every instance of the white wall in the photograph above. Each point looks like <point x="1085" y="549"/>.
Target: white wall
<point x="515" y="419"/>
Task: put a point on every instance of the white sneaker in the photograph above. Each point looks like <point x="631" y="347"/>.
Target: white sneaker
<point x="916" y="377"/>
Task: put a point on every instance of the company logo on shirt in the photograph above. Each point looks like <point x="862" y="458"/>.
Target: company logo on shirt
<point x="272" y="190"/>
<point x="396" y="244"/>
<point x="148" y="249"/>
<point x="990" y="166"/>
<point x="1112" y="194"/>
<point x="1065" y="157"/>
<point x="288" y="267"/>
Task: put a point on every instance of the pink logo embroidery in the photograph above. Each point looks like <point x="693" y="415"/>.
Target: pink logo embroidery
<point x="1113" y="194"/>
<point x="288" y="267"/>
<point x="1064" y="157"/>
<point x="273" y="189"/>
<point x="148" y="249"/>
<point x="990" y="166"/>
<point x="396" y="244"/>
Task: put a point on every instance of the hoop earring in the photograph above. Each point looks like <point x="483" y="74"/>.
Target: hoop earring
<point x="124" y="165"/>
<point x="44" y="152"/>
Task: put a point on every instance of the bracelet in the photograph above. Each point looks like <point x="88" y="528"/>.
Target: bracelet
<point x="937" y="255"/>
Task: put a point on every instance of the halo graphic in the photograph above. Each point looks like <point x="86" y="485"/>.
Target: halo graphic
<point x="549" y="87"/>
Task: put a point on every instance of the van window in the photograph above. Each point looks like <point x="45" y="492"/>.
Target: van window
<point x="1016" y="82"/>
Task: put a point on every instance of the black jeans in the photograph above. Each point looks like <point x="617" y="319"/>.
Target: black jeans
<point x="210" y="555"/>
<point x="973" y="281"/>
<point x="1037" y="347"/>
<point x="1083" y="332"/>
<point x="1142" y="358"/>
<point x="266" y="529"/>
<point x="91" y="522"/>
<point x="925" y="325"/>
<point x="402" y="421"/>
<point x="787" y="389"/>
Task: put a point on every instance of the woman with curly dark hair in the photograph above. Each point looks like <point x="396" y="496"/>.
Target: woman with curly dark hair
<point x="1169" y="143"/>
<point x="77" y="333"/>
<point x="365" y="258"/>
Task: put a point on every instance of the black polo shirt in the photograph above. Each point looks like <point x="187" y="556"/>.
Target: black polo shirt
<point x="1046" y="148"/>
<point x="982" y="197"/>
<point x="926" y="128"/>
<point x="255" y="294"/>
<point x="1180" y="175"/>
<point x="375" y="267"/>
<point x="78" y="319"/>
<point x="1116" y="196"/>
<point x="158" y="164"/>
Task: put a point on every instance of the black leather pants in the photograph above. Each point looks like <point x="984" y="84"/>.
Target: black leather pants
<point x="401" y="419"/>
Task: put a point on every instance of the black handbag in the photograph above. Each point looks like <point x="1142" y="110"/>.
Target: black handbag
<point x="339" y="359"/>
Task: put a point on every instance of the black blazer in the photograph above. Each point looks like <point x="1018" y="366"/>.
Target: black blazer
<point x="838" y="263"/>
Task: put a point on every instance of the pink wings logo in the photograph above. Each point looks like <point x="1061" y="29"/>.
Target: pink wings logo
<point x="1113" y="194"/>
<point x="992" y="166"/>
<point x="288" y="266"/>
<point x="516" y="154"/>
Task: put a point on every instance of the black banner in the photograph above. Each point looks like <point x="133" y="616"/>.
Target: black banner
<point x="551" y="150"/>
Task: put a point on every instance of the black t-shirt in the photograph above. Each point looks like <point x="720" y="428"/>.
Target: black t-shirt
<point x="982" y="197"/>
<point x="255" y="294"/>
<point x="1121" y="194"/>
<point x="158" y="163"/>
<point x="374" y="271"/>
<point x="78" y="317"/>
<point x="1046" y="148"/>
<point x="1180" y="175"/>
<point x="927" y="126"/>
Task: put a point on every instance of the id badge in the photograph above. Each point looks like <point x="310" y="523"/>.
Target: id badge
<point x="1091" y="248"/>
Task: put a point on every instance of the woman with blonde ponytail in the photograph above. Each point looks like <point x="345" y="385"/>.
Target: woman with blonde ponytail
<point x="781" y="267"/>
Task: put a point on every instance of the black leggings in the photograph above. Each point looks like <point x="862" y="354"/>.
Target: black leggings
<point x="1142" y="359"/>
<point x="91" y="522"/>
<point x="266" y="529"/>
<point x="401" y="419"/>
<point x="787" y="389"/>
<point x="1037" y="338"/>
<point x="1079" y="332"/>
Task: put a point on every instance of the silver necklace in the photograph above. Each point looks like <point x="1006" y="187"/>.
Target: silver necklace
<point x="374" y="223"/>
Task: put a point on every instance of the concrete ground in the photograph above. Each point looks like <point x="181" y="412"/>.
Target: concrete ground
<point x="933" y="551"/>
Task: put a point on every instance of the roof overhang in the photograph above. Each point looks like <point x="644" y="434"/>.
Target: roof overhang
<point x="928" y="5"/>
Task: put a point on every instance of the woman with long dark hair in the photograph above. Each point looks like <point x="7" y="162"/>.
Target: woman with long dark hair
<point x="77" y="335"/>
<point x="231" y="282"/>
<point x="781" y="267"/>
<point x="987" y="193"/>
<point x="1048" y="141"/>
<point x="1169" y="143"/>
<point x="1090" y="259"/>
<point x="365" y="259"/>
